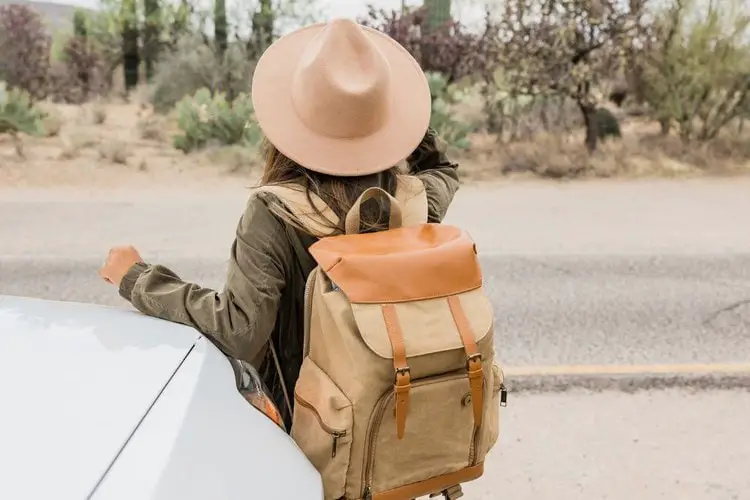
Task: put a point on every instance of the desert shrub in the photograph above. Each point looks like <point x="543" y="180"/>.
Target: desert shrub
<point x="79" y="75"/>
<point x="696" y="72"/>
<point x="115" y="151"/>
<point x="193" y="65"/>
<point x="53" y="120"/>
<point x="454" y="132"/>
<point x="204" y="119"/>
<point x="24" y="50"/>
<point x="607" y="126"/>
<point x="19" y="115"/>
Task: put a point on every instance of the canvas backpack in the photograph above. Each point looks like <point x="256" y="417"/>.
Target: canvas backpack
<point x="398" y="395"/>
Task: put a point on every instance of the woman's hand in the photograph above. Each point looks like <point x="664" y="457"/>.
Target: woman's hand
<point x="118" y="262"/>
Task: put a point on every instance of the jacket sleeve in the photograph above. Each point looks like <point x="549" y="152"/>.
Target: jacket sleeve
<point x="241" y="317"/>
<point x="430" y="163"/>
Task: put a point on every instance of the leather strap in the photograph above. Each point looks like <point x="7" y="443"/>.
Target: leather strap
<point x="402" y="377"/>
<point x="473" y="357"/>
<point x="353" y="221"/>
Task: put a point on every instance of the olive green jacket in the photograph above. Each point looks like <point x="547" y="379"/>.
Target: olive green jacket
<point x="262" y="300"/>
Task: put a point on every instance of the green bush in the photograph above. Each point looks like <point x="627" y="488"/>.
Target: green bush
<point x="206" y="120"/>
<point x="454" y="132"/>
<point x="606" y="124"/>
<point x="18" y="115"/>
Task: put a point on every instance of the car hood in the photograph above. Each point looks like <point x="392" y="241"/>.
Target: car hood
<point x="76" y="379"/>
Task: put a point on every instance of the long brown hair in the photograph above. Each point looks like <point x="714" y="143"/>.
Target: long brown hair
<point x="339" y="193"/>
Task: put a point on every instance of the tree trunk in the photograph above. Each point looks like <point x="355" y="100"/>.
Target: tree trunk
<point x="592" y="127"/>
<point x="666" y="125"/>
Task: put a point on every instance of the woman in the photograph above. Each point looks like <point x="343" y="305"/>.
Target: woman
<point x="340" y="105"/>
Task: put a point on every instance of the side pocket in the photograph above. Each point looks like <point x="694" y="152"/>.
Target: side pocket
<point x="322" y="426"/>
<point x="491" y="427"/>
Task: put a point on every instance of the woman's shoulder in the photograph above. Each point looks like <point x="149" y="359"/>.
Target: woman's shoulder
<point x="258" y="216"/>
<point x="291" y="204"/>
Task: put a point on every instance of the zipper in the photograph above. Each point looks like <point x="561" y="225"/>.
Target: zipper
<point x="308" y="311"/>
<point x="503" y="402"/>
<point x="376" y="417"/>
<point x="336" y="434"/>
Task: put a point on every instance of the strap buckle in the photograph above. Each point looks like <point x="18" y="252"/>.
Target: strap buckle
<point x="406" y="371"/>
<point x="474" y="357"/>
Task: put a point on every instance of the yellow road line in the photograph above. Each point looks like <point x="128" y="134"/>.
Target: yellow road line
<point x="683" y="369"/>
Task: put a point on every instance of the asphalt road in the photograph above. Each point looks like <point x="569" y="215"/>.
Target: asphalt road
<point x="550" y="310"/>
<point x="612" y="274"/>
<point x="648" y="272"/>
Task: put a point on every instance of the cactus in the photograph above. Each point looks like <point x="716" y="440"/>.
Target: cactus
<point x="204" y="119"/>
<point x="24" y="50"/>
<point x="130" y="35"/>
<point x="80" y="23"/>
<point x="220" y="26"/>
<point x="454" y="132"/>
<point x="438" y="12"/>
<point x="153" y="25"/>
<point x="18" y="115"/>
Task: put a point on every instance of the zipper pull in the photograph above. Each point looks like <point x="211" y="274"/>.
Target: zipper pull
<point x="336" y="437"/>
<point x="503" y="396"/>
<point x="367" y="495"/>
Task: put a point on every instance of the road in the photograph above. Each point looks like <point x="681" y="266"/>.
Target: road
<point x="629" y="278"/>
<point x="648" y="272"/>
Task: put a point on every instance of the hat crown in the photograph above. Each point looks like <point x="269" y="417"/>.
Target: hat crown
<point x="342" y="85"/>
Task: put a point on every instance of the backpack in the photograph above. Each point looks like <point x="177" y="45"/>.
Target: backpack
<point x="398" y="395"/>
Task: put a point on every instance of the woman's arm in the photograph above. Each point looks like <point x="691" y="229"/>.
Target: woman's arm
<point x="242" y="316"/>
<point x="439" y="175"/>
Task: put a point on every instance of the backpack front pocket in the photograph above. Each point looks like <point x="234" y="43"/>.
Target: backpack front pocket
<point x="439" y="438"/>
<point x="322" y="426"/>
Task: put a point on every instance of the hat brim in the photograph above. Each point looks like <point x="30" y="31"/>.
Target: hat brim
<point x="406" y="125"/>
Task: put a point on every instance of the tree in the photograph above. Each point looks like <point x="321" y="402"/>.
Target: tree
<point x="24" y="50"/>
<point x="448" y="49"/>
<point x="565" y="47"/>
<point x="697" y="67"/>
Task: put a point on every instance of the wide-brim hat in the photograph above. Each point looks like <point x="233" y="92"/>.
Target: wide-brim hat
<point x="341" y="99"/>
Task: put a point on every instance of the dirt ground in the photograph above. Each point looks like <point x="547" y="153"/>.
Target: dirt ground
<point x="104" y="145"/>
<point x="113" y="145"/>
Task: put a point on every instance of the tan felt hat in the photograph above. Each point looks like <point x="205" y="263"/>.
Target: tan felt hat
<point x="341" y="99"/>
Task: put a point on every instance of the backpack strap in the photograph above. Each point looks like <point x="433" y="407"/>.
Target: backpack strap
<point x="353" y="221"/>
<point x="412" y="198"/>
<point x="410" y="194"/>
<point x="473" y="357"/>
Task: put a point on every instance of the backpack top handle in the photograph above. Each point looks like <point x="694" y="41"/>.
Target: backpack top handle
<point x="353" y="220"/>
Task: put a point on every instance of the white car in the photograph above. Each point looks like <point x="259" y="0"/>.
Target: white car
<point x="106" y="404"/>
